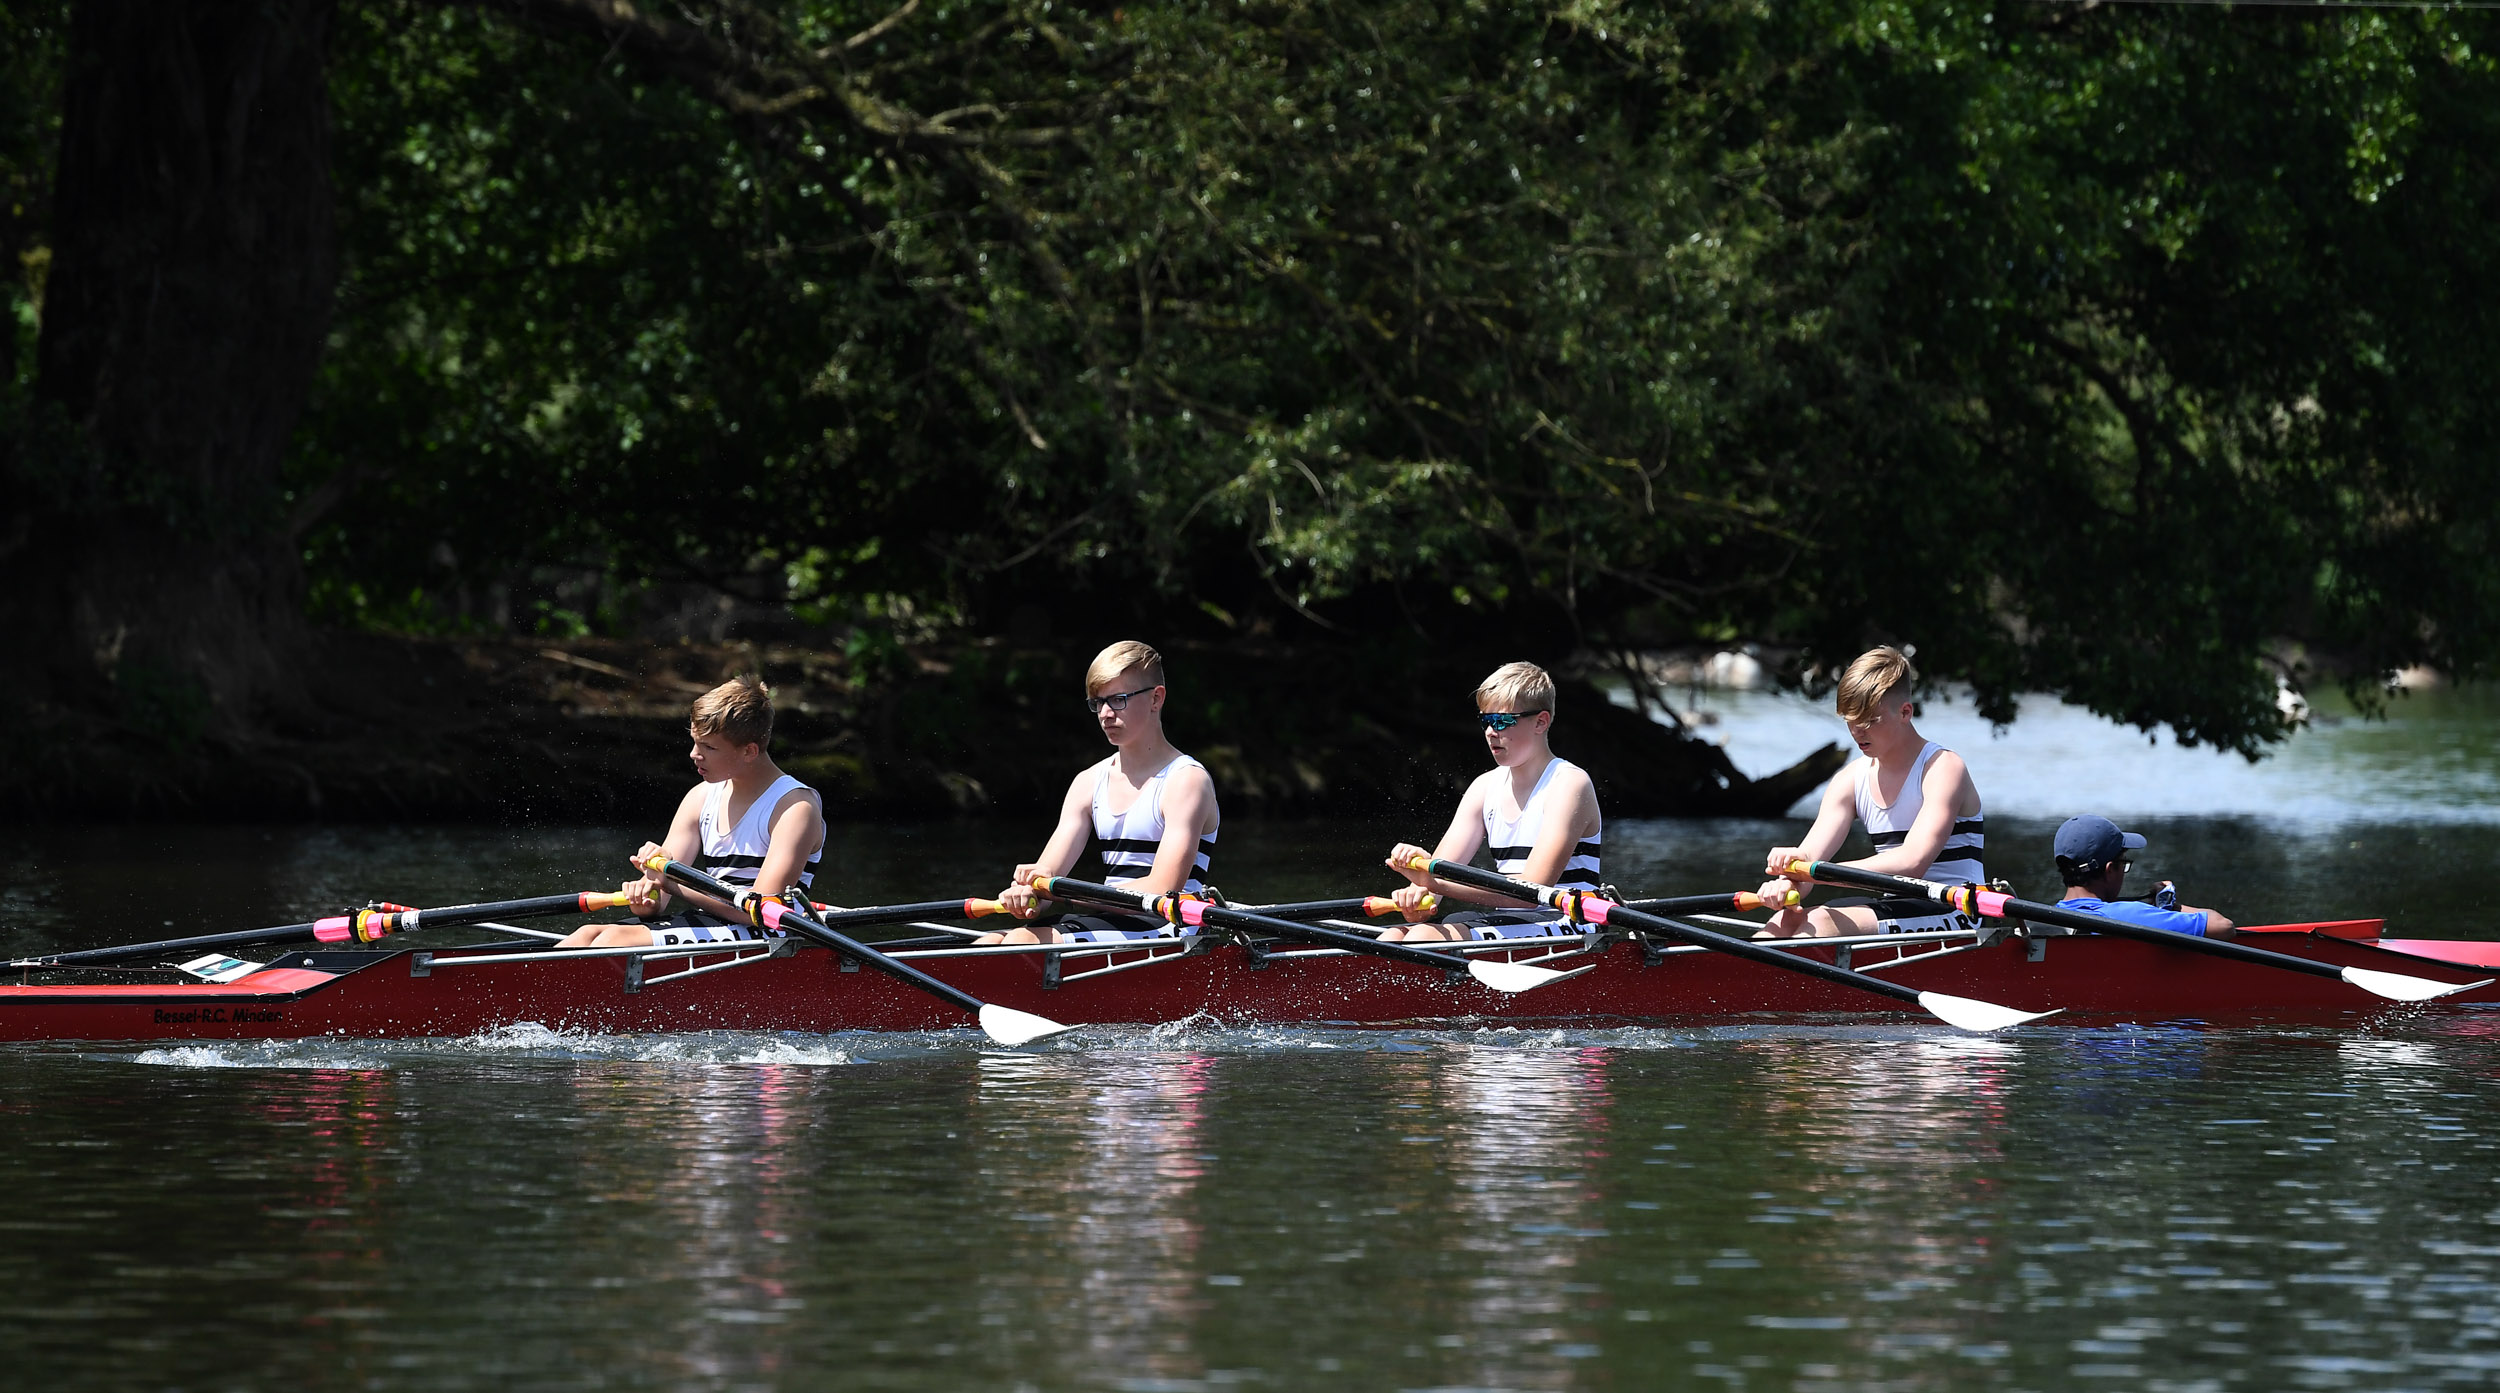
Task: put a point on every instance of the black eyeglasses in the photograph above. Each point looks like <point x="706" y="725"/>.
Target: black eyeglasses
<point x="1504" y="720"/>
<point x="1117" y="701"/>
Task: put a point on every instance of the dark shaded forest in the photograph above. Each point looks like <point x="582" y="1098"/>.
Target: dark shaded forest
<point x="363" y="353"/>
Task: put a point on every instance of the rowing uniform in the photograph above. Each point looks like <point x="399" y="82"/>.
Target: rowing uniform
<point x="734" y="854"/>
<point x="1512" y="840"/>
<point x="1127" y="842"/>
<point x="1958" y="861"/>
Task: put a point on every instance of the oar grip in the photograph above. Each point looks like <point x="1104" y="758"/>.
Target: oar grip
<point x="1377" y="906"/>
<point x="1178" y="910"/>
<point x="1581" y="907"/>
<point x="983" y="909"/>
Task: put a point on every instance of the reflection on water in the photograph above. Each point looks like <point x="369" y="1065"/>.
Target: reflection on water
<point x="1097" y="1169"/>
<point x="1752" y="1207"/>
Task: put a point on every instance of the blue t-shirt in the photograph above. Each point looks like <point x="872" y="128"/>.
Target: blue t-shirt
<point x="2177" y="921"/>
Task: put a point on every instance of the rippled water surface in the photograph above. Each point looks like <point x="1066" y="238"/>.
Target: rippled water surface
<point x="1743" y="1208"/>
<point x="1795" y="1207"/>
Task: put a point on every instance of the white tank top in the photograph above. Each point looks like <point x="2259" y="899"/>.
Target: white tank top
<point x="1958" y="861"/>
<point x="1129" y="840"/>
<point x="736" y="854"/>
<point x="1513" y="840"/>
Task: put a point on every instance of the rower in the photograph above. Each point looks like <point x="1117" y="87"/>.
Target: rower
<point x="1915" y="799"/>
<point x="1535" y="809"/>
<point x="2092" y="856"/>
<point x="1150" y="808"/>
<point x="746" y="823"/>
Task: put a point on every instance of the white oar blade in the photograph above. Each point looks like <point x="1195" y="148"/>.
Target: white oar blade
<point x="2396" y="986"/>
<point x="1965" y="1014"/>
<point x="1012" y="1027"/>
<point x="1513" y="977"/>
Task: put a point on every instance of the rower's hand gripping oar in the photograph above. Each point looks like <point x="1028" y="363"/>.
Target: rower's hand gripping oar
<point x="1586" y="907"/>
<point x="1181" y="909"/>
<point x="1991" y="904"/>
<point x="362" y="926"/>
<point x="1004" y="1024"/>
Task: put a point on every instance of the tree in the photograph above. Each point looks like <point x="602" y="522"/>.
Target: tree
<point x="193" y="257"/>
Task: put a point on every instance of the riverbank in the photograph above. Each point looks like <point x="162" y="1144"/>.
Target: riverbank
<point x="517" y="729"/>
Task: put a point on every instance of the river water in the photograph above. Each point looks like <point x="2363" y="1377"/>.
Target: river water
<point x="1765" y="1206"/>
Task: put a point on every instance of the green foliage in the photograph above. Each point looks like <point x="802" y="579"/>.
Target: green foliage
<point x="2089" y="351"/>
<point x="34" y="34"/>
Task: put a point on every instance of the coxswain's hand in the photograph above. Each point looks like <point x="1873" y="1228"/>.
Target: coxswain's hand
<point x="1401" y="858"/>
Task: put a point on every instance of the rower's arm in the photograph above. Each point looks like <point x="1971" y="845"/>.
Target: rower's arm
<point x="1944" y="787"/>
<point x="1831" y="825"/>
<point x="1188" y="816"/>
<point x="1460" y="843"/>
<point x="798" y="830"/>
<point x="683" y="842"/>
<point x="1067" y="840"/>
<point x="1560" y="837"/>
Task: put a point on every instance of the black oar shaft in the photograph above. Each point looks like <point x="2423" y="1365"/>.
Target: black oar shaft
<point x="86" y="956"/>
<point x="775" y="914"/>
<point x="364" y="925"/>
<point x="1609" y="912"/>
<point x="1370" y="906"/>
<point x="1741" y="900"/>
<point x="1990" y="904"/>
<point x="1200" y="911"/>
<point x="905" y="913"/>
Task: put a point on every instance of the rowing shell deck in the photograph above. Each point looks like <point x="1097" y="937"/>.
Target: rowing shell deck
<point x="785" y="986"/>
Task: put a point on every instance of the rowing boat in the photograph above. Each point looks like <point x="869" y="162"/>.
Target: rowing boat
<point x="1599" y="979"/>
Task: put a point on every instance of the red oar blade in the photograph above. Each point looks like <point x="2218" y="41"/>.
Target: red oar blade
<point x="2396" y="986"/>
<point x="1011" y="1027"/>
<point x="1962" y="1013"/>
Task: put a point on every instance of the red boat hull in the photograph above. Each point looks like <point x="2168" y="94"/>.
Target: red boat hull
<point x="400" y="994"/>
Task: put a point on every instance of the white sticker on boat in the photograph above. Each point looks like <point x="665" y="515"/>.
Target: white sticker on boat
<point x="217" y="967"/>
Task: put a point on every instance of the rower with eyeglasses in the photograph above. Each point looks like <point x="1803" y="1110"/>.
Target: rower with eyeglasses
<point x="1149" y="809"/>
<point x="2092" y="858"/>
<point x="1535" y="810"/>
<point x="1915" y="798"/>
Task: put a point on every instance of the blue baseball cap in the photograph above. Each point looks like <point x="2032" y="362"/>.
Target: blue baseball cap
<point x="2088" y="842"/>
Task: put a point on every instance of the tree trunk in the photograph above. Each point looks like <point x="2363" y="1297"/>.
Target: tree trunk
<point x="195" y="255"/>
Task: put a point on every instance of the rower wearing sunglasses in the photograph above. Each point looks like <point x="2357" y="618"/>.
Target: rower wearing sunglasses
<point x="1535" y="809"/>
<point x="1150" y="809"/>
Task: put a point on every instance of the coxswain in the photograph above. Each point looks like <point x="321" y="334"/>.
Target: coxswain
<point x="2092" y="857"/>
<point x="1536" y="810"/>
<point x="1914" y="797"/>
<point x="1149" y="808"/>
<point x="745" y="823"/>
